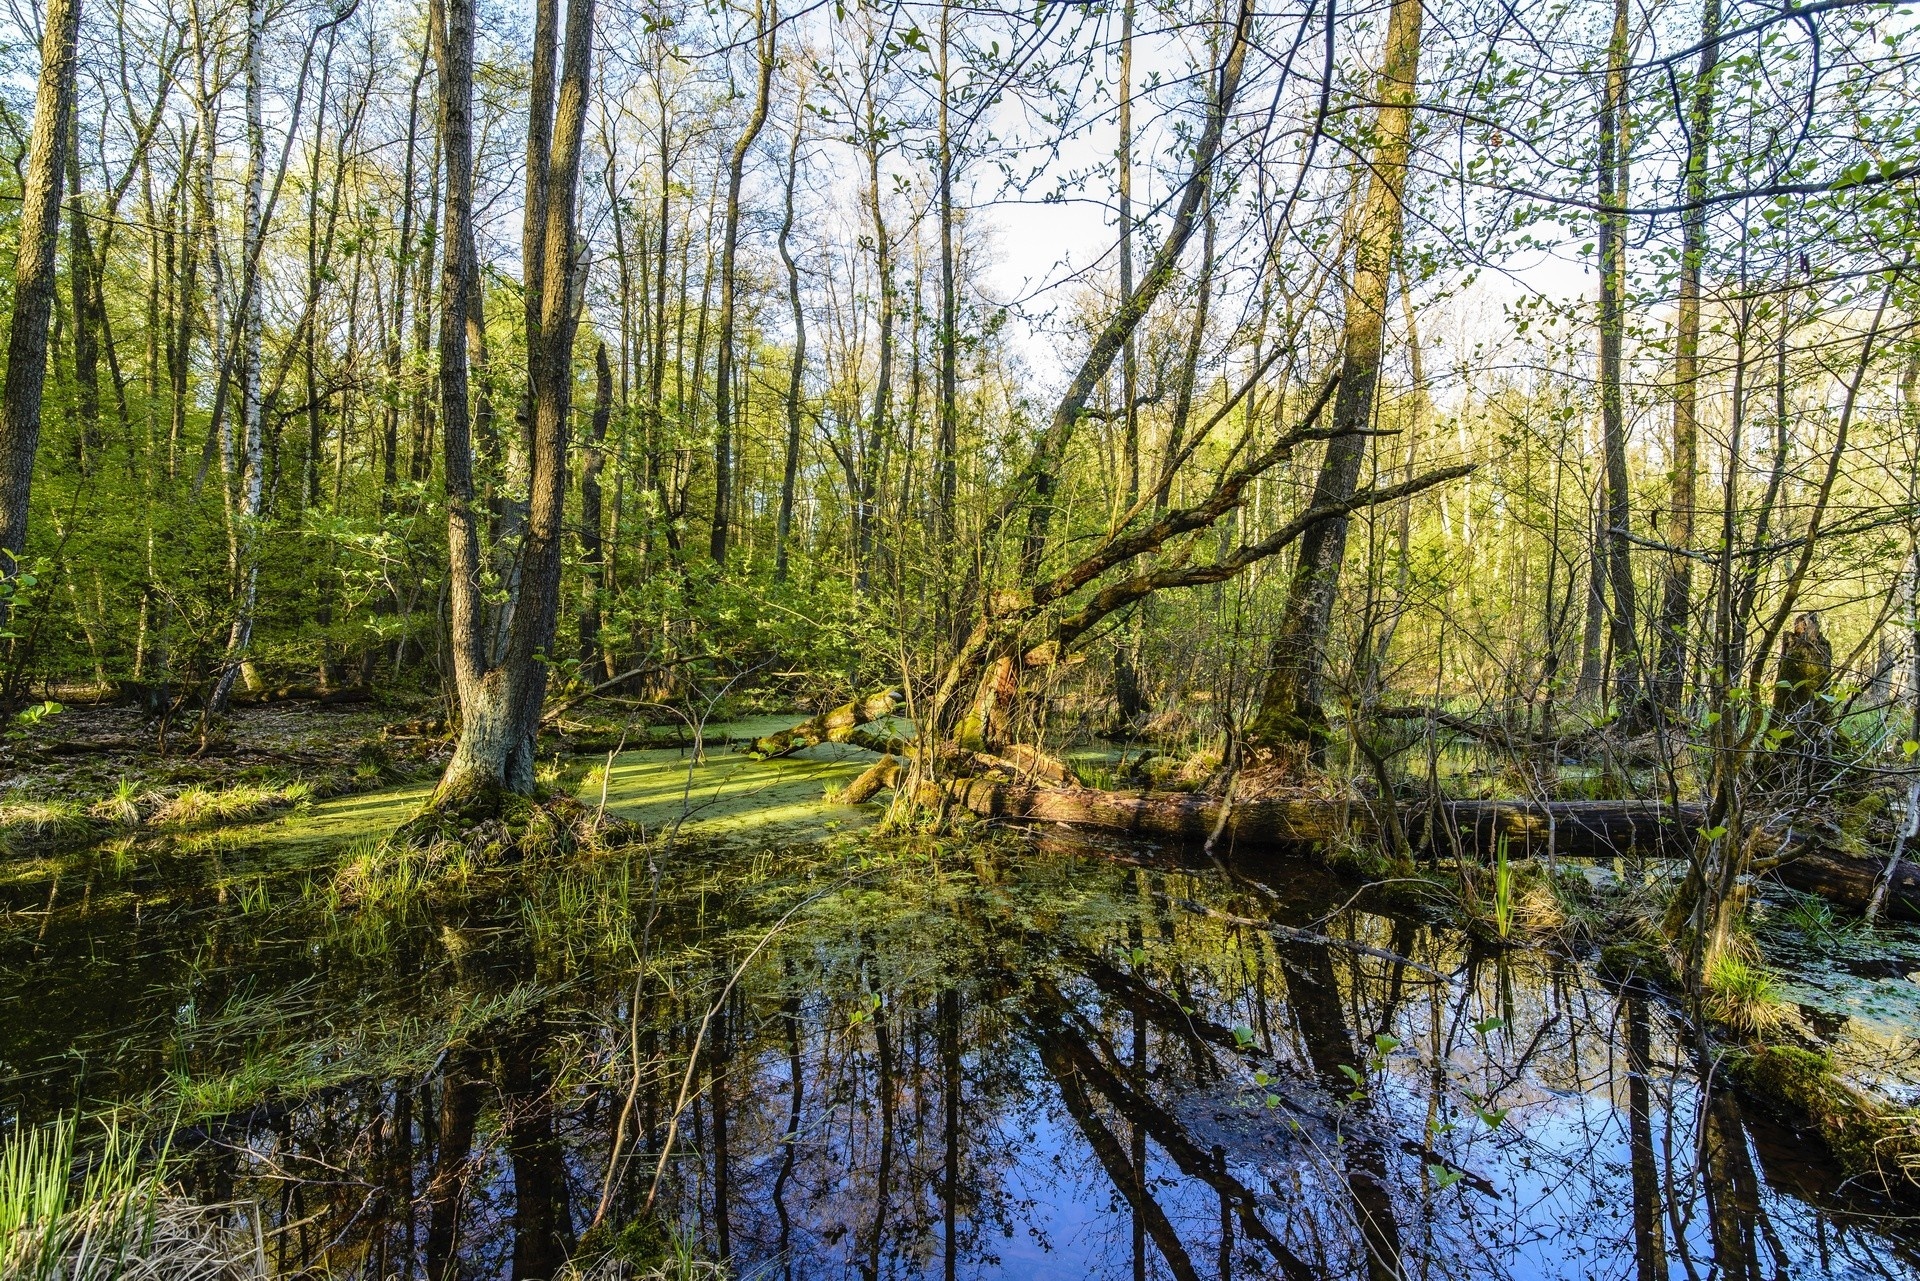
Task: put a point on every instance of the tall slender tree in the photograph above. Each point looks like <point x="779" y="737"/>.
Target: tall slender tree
<point x="34" y="278"/>
<point x="1290" y="714"/>
<point x="1676" y="601"/>
<point x="766" y="19"/>
<point x="797" y="363"/>
<point x="1611" y="248"/>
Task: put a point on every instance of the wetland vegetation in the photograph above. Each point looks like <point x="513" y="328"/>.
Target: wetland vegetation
<point x="898" y="639"/>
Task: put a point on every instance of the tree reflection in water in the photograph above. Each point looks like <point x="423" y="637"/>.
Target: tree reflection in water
<point x="1031" y="1062"/>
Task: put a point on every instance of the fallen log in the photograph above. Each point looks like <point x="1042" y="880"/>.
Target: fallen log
<point x="1572" y="829"/>
<point x="884" y="772"/>
<point x="1848" y="879"/>
<point x="835" y="726"/>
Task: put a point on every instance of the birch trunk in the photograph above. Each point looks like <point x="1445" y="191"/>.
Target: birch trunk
<point x="252" y="460"/>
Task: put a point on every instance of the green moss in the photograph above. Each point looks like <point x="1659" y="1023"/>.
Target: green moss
<point x="1801" y="1088"/>
<point x="647" y="1249"/>
<point x="1361" y="859"/>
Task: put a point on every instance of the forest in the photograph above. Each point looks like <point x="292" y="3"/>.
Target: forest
<point x="643" y="639"/>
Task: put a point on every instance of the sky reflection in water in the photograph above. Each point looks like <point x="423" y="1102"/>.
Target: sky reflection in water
<point x="1032" y="1061"/>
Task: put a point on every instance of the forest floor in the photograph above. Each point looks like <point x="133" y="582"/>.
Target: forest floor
<point x="90" y="750"/>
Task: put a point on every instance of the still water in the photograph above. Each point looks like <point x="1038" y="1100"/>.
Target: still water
<point x="1021" y="1057"/>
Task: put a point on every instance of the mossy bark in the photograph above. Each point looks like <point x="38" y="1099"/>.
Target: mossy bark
<point x="835" y="726"/>
<point x="1867" y="1134"/>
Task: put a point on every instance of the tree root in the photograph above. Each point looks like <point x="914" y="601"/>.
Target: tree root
<point x="495" y="826"/>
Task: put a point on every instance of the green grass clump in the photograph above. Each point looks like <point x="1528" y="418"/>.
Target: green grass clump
<point x="1815" y="919"/>
<point x="122" y="809"/>
<point x="27" y="822"/>
<point x="1743" y="996"/>
<point x="386" y="875"/>
<point x="99" y="1216"/>
<point x="196" y="805"/>
<point x="646" y="1250"/>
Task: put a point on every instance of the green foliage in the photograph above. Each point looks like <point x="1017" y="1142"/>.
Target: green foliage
<point x="1502" y="891"/>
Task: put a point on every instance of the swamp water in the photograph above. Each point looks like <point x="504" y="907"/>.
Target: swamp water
<point x="1021" y="1056"/>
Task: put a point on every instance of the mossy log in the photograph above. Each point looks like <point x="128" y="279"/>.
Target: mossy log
<point x="834" y="726"/>
<point x="884" y="772"/>
<point x="1871" y="1137"/>
<point x="1575" y="829"/>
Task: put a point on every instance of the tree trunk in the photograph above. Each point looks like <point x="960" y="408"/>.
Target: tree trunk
<point x="34" y="279"/>
<point x="865" y="478"/>
<point x="592" y="546"/>
<point x="766" y="23"/>
<point x="947" y="431"/>
<point x="81" y="267"/>
<point x="500" y="703"/>
<point x="1610" y="245"/>
<point x="1677" y="597"/>
<point x="790" y="468"/>
<point x="1129" y="365"/>
<point x="1290" y="718"/>
<point x="252" y="460"/>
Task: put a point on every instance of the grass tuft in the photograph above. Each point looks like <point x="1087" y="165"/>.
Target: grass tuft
<point x="1743" y="996"/>
<point x="22" y="822"/>
<point x="196" y="805"/>
<point x="100" y="1217"/>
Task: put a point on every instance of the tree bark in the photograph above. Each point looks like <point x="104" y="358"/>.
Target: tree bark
<point x="252" y="460"/>
<point x="947" y="430"/>
<point x="796" y="370"/>
<point x="1677" y="597"/>
<point x="81" y="268"/>
<point x="767" y="23"/>
<point x="500" y="703"/>
<point x="34" y="279"/>
<point x="1290" y="717"/>
<point x="592" y="544"/>
<point x="1610" y="245"/>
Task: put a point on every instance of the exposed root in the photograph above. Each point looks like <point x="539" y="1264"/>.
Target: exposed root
<point x="492" y="818"/>
<point x="476" y="829"/>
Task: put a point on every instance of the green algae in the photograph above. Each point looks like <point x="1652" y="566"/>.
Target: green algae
<point x="714" y="795"/>
<point x="733" y="798"/>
